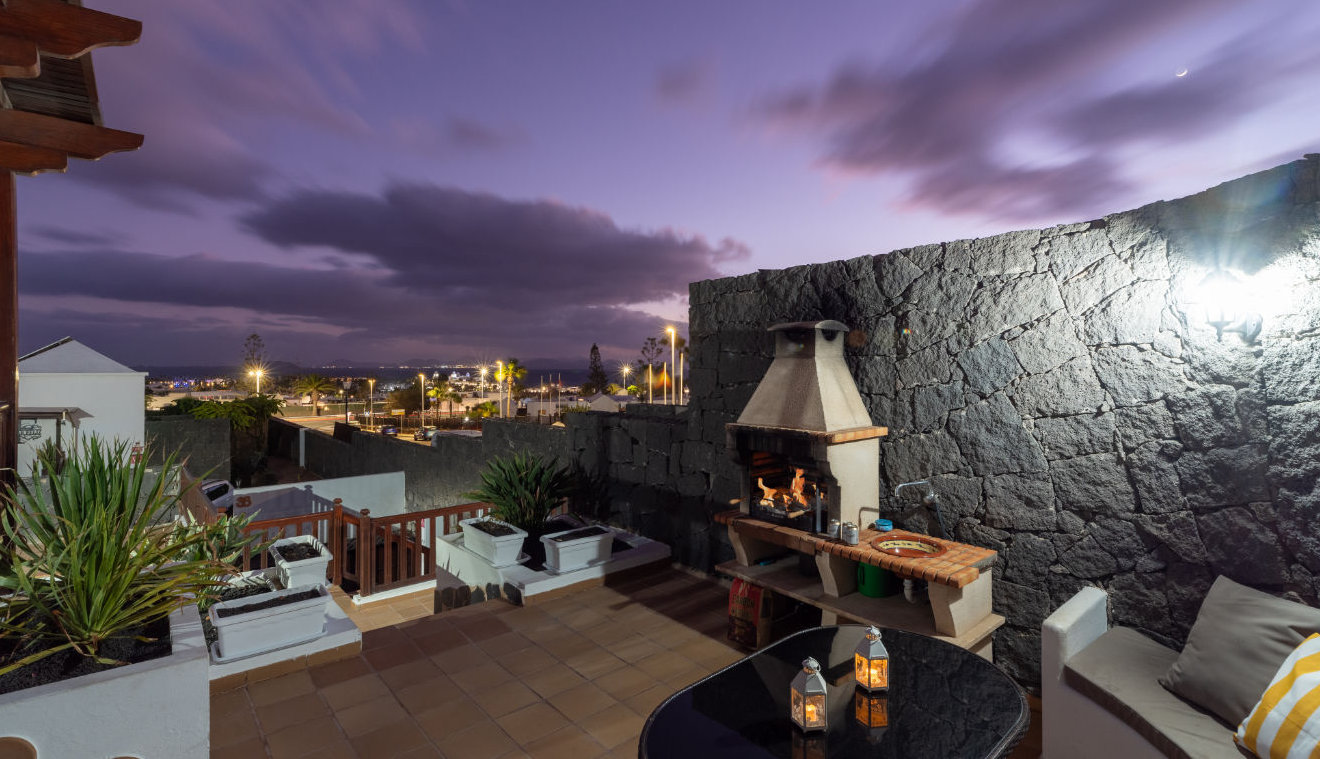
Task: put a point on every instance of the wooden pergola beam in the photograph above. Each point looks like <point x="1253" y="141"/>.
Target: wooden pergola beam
<point x="28" y="160"/>
<point x="63" y="30"/>
<point x="70" y="137"/>
<point x="19" y="58"/>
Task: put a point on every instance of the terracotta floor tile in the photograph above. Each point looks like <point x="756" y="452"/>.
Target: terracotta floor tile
<point x="237" y="727"/>
<point x="281" y="714"/>
<point x="526" y="661"/>
<point x="425" y="696"/>
<point x="303" y="738"/>
<point x="223" y="704"/>
<point x="425" y="751"/>
<point x="566" y="646"/>
<point x="506" y="643"/>
<point x="553" y="679"/>
<point x="505" y="698"/>
<point x="594" y="663"/>
<point x="280" y="688"/>
<point x="355" y="691"/>
<point x="482" y="677"/>
<point x="585" y="699"/>
<point x="625" y="750"/>
<point x="459" y="658"/>
<point x="395" y="655"/>
<point x="339" y="749"/>
<point x="622" y="683"/>
<point x="252" y="748"/>
<point x="531" y="722"/>
<point x="481" y="628"/>
<point x="645" y="702"/>
<point x="440" y="640"/>
<point x="385" y="636"/>
<point x="421" y="627"/>
<point x="607" y="632"/>
<point x="686" y="676"/>
<point x="484" y="740"/>
<point x="613" y="725"/>
<point x="365" y="717"/>
<point x="413" y="673"/>
<point x="450" y="718"/>
<point x="390" y="741"/>
<point x="566" y="743"/>
<point x="339" y="671"/>
<point x="635" y="648"/>
<point x="662" y="664"/>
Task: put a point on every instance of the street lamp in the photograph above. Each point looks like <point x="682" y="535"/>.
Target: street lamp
<point x="257" y="373"/>
<point x="421" y="382"/>
<point x="371" y="403"/>
<point x="348" y="383"/>
<point x="650" y="388"/>
<point x="670" y="385"/>
<point x="625" y="370"/>
<point x="483" y="383"/>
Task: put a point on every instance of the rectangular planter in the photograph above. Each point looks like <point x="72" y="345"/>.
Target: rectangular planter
<point x="268" y="629"/>
<point x="577" y="548"/>
<point x="156" y="708"/>
<point x="305" y="572"/>
<point x="501" y="551"/>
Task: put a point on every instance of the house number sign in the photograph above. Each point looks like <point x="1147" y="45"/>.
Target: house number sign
<point x="29" y="432"/>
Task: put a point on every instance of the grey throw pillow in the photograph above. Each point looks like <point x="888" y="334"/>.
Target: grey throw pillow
<point x="1240" y="638"/>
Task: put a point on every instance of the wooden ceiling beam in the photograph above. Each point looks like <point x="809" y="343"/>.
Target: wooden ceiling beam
<point x="64" y="30"/>
<point x="19" y="58"/>
<point x="25" y="159"/>
<point x="71" y="137"/>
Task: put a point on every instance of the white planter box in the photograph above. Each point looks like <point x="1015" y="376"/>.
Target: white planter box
<point x="500" y="551"/>
<point x="305" y="572"/>
<point x="268" y="629"/>
<point x="577" y="548"/>
<point x="154" y="708"/>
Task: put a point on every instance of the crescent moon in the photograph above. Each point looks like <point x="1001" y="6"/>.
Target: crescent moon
<point x="1180" y="73"/>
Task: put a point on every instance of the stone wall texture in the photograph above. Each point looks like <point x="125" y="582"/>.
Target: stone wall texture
<point x="204" y="443"/>
<point x="1070" y="401"/>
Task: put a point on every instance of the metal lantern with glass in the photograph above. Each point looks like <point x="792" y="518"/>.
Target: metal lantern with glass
<point x="871" y="710"/>
<point x="807" y="697"/>
<point x="871" y="661"/>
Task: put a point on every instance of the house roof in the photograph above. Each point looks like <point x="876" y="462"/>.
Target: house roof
<point x="68" y="356"/>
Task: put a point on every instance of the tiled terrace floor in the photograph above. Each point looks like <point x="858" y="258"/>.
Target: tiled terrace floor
<point x="572" y="677"/>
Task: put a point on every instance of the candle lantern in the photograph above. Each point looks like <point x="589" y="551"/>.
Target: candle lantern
<point x="871" y="661"/>
<point x="807" y="697"/>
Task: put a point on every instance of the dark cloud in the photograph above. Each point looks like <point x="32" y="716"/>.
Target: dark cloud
<point x="471" y="134"/>
<point x="683" y="82"/>
<point x="947" y="113"/>
<point x="74" y="237"/>
<point x="417" y="270"/>
<point x="463" y="244"/>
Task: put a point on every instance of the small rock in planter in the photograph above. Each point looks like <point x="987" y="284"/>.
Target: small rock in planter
<point x="297" y="551"/>
<point x="493" y="528"/>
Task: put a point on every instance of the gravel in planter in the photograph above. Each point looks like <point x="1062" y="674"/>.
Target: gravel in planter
<point x="585" y="532"/>
<point x="492" y="528"/>
<point x="64" y="665"/>
<point x="297" y="551"/>
<point x="259" y="605"/>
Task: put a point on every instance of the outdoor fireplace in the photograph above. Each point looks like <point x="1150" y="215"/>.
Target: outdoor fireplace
<point x="805" y="435"/>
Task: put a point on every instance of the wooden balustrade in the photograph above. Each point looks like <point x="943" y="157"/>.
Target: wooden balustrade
<point x="387" y="552"/>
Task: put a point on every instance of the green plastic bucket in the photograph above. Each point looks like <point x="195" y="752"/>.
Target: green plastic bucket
<point x="874" y="582"/>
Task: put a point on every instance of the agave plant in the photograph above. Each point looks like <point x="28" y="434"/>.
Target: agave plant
<point x="524" y="489"/>
<point x="89" y="554"/>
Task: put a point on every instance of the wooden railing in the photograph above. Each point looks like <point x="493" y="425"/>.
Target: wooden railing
<point x="376" y="553"/>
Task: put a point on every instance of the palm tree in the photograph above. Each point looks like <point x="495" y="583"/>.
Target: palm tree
<point x="443" y="391"/>
<point x="511" y="372"/>
<point x="314" y="385"/>
<point x="485" y="409"/>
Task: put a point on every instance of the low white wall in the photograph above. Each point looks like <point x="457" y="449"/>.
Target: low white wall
<point x="158" y="708"/>
<point x="382" y="493"/>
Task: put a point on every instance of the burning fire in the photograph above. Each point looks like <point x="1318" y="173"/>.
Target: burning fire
<point x="794" y="495"/>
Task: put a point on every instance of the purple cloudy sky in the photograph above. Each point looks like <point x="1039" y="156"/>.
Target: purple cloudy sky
<point x="483" y="178"/>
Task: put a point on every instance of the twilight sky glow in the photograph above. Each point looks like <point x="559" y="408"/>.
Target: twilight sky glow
<point x="371" y="180"/>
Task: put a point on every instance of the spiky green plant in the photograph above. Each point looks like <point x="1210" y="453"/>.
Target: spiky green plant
<point x="90" y="554"/>
<point x="524" y="489"/>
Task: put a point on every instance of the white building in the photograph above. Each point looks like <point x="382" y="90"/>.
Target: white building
<point x="67" y="390"/>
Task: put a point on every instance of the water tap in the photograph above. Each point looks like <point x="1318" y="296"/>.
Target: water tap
<point x="930" y="498"/>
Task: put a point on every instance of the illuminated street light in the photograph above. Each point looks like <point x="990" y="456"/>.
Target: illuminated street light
<point x="257" y="373"/>
<point x="499" y="378"/>
<point x="371" y="400"/>
<point x="670" y="385"/>
<point x="421" y="381"/>
<point x="483" y="383"/>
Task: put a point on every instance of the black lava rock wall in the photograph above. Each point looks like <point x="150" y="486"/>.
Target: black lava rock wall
<point x="1070" y="401"/>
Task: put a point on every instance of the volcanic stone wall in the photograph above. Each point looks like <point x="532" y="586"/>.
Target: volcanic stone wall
<point x="1063" y="390"/>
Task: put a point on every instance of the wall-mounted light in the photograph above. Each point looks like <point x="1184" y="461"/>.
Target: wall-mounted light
<point x="1222" y="293"/>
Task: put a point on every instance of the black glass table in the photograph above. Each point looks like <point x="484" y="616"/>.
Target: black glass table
<point x="943" y="701"/>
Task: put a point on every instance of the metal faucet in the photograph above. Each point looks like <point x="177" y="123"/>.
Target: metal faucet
<point x="928" y="499"/>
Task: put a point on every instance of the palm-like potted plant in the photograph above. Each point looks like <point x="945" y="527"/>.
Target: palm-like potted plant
<point x="523" y="490"/>
<point x="92" y="566"/>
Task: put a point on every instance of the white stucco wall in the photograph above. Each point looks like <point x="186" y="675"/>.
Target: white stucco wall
<point x="115" y="401"/>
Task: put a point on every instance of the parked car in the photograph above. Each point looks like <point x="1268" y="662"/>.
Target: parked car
<point x="424" y="433"/>
<point x="220" y="493"/>
<point x="389" y="429"/>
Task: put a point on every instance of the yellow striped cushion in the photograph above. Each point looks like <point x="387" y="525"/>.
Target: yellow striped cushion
<point x="1286" y="722"/>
